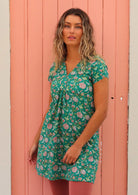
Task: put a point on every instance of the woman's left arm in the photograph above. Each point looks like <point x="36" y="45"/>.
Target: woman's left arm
<point x="101" y="92"/>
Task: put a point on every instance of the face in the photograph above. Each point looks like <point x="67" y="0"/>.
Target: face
<point x="72" y="30"/>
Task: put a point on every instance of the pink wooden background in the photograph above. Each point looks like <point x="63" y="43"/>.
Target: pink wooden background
<point x="32" y="25"/>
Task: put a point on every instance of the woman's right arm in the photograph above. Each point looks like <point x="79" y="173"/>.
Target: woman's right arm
<point x="36" y="139"/>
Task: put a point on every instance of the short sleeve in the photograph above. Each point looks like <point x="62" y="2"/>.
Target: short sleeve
<point x="99" y="71"/>
<point x="51" y="72"/>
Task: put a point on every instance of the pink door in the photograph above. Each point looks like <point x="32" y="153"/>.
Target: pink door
<point x="32" y="26"/>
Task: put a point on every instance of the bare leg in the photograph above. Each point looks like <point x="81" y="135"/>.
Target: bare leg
<point x="59" y="187"/>
<point x="81" y="188"/>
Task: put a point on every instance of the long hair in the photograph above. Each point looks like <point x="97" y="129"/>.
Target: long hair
<point x="86" y="48"/>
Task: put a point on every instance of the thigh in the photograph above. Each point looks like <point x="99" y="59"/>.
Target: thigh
<point x="59" y="187"/>
<point x="81" y="188"/>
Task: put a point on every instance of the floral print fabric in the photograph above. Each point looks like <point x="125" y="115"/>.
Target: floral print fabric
<point x="70" y="110"/>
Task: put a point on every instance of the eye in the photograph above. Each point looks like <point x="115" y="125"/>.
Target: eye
<point x="78" y="26"/>
<point x="66" y="25"/>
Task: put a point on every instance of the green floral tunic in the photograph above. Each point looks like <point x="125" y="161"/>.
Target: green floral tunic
<point x="70" y="110"/>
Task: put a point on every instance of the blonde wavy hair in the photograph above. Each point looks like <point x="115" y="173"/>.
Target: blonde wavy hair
<point x="86" y="48"/>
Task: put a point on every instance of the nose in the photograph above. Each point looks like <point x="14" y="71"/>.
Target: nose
<point x="72" y="29"/>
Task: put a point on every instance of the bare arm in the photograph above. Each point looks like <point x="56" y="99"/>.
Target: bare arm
<point x="36" y="139"/>
<point x="101" y="105"/>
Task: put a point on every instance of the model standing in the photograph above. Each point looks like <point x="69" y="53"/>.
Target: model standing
<point x="67" y="142"/>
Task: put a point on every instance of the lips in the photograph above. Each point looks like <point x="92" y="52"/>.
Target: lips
<point x="72" y="37"/>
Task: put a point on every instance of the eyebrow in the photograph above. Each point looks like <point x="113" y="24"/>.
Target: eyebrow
<point x="75" y="23"/>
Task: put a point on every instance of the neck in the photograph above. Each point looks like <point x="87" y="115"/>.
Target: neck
<point x="73" y="54"/>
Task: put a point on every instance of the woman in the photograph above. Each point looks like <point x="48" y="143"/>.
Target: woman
<point x="68" y="138"/>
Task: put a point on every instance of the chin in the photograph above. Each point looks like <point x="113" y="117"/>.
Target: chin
<point x="75" y="44"/>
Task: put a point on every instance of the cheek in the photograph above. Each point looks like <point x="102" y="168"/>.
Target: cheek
<point x="80" y="35"/>
<point x="80" y="32"/>
<point x="64" y="32"/>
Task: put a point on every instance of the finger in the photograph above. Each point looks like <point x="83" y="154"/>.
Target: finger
<point x="74" y="161"/>
<point x="29" y="158"/>
<point x="70" y="161"/>
<point x="34" y="162"/>
<point x="30" y="161"/>
<point x="30" y="155"/>
<point x="64" y="158"/>
<point x="67" y="159"/>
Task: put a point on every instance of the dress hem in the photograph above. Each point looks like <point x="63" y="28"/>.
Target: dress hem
<point x="61" y="177"/>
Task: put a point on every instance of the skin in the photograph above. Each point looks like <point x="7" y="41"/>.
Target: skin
<point x="72" y="27"/>
<point x="100" y="88"/>
<point x="100" y="93"/>
<point x="32" y="153"/>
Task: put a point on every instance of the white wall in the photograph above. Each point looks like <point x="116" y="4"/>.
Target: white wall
<point x="133" y="102"/>
<point x="5" y="132"/>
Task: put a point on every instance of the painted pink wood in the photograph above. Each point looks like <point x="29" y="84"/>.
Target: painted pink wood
<point x="17" y="97"/>
<point x="121" y="107"/>
<point x="95" y="12"/>
<point x="116" y="44"/>
<point x="109" y="132"/>
<point x="32" y="29"/>
<point x="34" y="85"/>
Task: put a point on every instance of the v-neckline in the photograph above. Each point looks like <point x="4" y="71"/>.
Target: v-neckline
<point x="67" y="74"/>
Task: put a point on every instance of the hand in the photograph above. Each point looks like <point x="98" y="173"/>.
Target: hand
<point x="72" y="154"/>
<point x="32" y="153"/>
